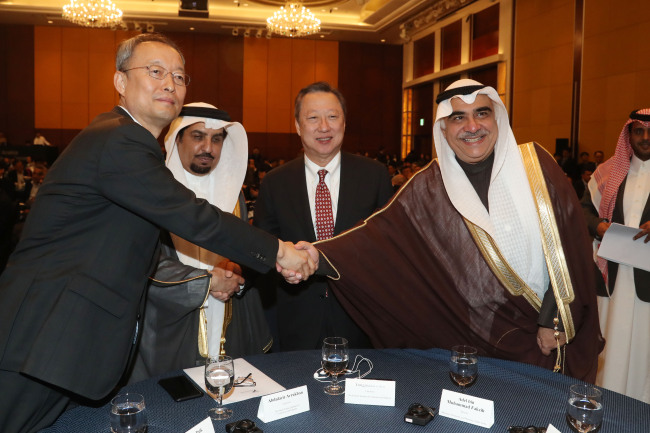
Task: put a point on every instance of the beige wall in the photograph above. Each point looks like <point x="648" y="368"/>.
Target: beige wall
<point x="615" y="70"/>
<point x="543" y="57"/>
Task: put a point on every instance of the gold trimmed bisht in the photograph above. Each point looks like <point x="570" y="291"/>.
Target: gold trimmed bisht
<point x="552" y="246"/>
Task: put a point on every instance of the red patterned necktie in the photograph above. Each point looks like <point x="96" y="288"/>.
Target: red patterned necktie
<point x="324" y="216"/>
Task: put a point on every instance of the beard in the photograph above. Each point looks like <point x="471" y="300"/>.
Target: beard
<point x="201" y="169"/>
<point x="197" y="169"/>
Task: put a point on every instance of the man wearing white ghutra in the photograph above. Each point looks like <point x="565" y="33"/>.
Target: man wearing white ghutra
<point x="189" y="312"/>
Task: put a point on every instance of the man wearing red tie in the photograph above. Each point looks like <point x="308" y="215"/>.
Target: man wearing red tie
<point x="315" y="197"/>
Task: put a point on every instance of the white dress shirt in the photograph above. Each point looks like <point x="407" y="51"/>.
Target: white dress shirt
<point x="332" y="180"/>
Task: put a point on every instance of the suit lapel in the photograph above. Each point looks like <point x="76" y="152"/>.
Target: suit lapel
<point x="300" y="200"/>
<point x="347" y="192"/>
<point x="617" y="213"/>
<point x="645" y="216"/>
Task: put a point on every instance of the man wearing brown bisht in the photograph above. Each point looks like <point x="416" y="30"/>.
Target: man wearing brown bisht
<point x="485" y="246"/>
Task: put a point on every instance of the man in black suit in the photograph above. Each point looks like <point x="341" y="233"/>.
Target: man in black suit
<point x="71" y="297"/>
<point x="286" y="207"/>
<point x="580" y="184"/>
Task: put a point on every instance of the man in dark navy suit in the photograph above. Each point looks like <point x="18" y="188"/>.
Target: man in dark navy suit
<point x="71" y="297"/>
<point x="288" y="206"/>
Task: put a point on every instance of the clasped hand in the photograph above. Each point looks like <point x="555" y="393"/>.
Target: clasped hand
<point x="296" y="262"/>
<point x="226" y="279"/>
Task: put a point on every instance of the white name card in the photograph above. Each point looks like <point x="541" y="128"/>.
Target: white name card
<point x="466" y="408"/>
<point x="552" y="429"/>
<point x="283" y="404"/>
<point x="368" y="391"/>
<point x="204" y="426"/>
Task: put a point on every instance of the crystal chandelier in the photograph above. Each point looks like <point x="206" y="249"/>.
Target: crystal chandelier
<point x="92" y="13"/>
<point x="293" y="19"/>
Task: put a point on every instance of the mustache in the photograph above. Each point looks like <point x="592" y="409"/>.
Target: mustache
<point x="479" y="133"/>
<point x="204" y="155"/>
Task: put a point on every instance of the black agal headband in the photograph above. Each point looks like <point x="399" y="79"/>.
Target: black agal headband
<point x="635" y="115"/>
<point x="210" y="113"/>
<point x="464" y="90"/>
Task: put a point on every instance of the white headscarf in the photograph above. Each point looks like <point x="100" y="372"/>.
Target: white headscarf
<point x="220" y="188"/>
<point x="512" y="221"/>
<point x="227" y="178"/>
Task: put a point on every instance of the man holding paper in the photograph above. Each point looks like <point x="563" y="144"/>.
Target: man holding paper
<point x="618" y="193"/>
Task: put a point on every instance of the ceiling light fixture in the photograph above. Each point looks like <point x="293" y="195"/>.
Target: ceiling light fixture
<point x="293" y="20"/>
<point x="92" y="13"/>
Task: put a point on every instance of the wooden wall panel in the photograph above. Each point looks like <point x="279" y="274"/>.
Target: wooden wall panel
<point x="275" y="71"/>
<point x="255" y="80"/>
<point x="73" y="77"/>
<point x="370" y="77"/>
<point x="303" y="72"/>
<point x="47" y="77"/>
<point x="615" y="70"/>
<point x="255" y="84"/>
<point x="17" y="83"/>
<point x="327" y="63"/>
<point x="231" y="76"/>
<point x="101" y="68"/>
<point x="275" y="146"/>
<point x="543" y="72"/>
<point x="279" y="88"/>
<point x="215" y="65"/>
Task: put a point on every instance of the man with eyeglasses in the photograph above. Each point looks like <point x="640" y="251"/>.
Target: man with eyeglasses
<point x="72" y="296"/>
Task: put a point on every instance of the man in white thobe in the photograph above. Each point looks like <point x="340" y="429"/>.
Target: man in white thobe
<point x="619" y="192"/>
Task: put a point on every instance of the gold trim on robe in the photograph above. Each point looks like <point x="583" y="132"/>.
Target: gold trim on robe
<point x="502" y="270"/>
<point x="227" y="318"/>
<point x="227" y="313"/>
<point x="551" y="243"/>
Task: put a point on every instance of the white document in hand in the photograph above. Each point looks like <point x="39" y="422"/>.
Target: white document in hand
<point x="619" y="246"/>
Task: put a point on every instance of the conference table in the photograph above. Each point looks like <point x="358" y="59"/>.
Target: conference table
<point x="523" y="395"/>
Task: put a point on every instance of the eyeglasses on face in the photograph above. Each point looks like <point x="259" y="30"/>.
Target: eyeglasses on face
<point x="529" y="429"/>
<point x="159" y="73"/>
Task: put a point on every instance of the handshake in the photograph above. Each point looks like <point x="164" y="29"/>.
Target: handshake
<point x="296" y="262"/>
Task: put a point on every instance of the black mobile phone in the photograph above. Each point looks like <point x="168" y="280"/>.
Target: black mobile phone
<point x="181" y="388"/>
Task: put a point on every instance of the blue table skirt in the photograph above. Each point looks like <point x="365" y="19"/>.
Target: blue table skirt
<point x="522" y="395"/>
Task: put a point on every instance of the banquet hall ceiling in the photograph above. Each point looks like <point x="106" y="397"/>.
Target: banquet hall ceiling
<point x="347" y="20"/>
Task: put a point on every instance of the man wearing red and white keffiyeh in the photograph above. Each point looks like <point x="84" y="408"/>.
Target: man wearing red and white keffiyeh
<point x="620" y="190"/>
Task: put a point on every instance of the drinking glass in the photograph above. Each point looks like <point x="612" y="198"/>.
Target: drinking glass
<point x="584" y="410"/>
<point x="334" y="361"/>
<point x="463" y="366"/>
<point x="219" y="378"/>
<point x="128" y="414"/>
